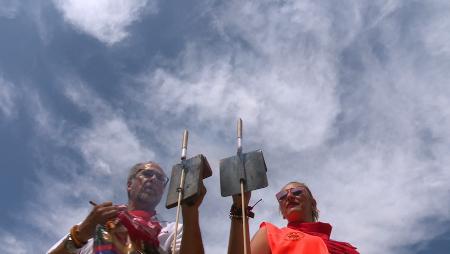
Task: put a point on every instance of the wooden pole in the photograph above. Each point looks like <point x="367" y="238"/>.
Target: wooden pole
<point x="181" y="187"/>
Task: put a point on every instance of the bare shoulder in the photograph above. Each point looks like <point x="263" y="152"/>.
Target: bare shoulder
<point x="259" y="243"/>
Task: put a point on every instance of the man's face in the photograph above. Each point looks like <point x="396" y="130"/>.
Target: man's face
<point x="147" y="186"/>
<point x="295" y="203"/>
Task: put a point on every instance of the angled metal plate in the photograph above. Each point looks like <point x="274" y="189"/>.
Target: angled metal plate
<point x="249" y="166"/>
<point x="196" y="169"/>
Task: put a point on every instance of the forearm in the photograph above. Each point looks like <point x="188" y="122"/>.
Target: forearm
<point x="77" y="239"/>
<point x="59" y="249"/>
<point x="191" y="242"/>
<point x="236" y="241"/>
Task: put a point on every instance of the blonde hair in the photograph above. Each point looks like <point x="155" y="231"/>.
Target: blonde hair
<point x="315" y="211"/>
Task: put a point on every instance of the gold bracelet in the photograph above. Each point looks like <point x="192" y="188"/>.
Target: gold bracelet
<point x="74" y="233"/>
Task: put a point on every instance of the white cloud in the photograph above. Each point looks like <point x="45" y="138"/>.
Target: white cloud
<point x="9" y="8"/>
<point x="353" y="103"/>
<point x="346" y="97"/>
<point x="9" y="244"/>
<point x="110" y="146"/>
<point x="275" y="88"/>
<point x="107" y="146"/>
<point x="434" y="33"/>
<point x="105" y="20"/>
<point x="8" y="95"/>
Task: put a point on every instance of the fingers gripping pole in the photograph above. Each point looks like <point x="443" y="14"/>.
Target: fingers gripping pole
<point x="244" y="217"/>
<point x="180" y="188"/>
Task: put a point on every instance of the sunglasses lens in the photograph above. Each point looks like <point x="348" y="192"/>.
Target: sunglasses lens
<point x="281" y="195"/>
<point x="296" y="191"/>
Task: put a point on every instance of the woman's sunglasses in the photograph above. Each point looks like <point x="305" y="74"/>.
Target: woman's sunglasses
<point x="282" y="195"/>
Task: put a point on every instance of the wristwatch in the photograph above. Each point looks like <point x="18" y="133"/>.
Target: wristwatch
<point x="69" y="245"/>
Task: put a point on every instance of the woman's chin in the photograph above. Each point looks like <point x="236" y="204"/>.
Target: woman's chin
<point x="295" y="215"/>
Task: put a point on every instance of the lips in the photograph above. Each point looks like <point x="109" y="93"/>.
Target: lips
<point x="291" y="204"/>
<point x="149" y="189"/>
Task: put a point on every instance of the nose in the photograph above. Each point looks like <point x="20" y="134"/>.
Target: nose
<point x="155" y="180"/>
<point x="152" y="179"/>
<point x="290" y="195"/>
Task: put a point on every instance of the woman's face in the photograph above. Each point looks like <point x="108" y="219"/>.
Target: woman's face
<point x="295" y="203"/>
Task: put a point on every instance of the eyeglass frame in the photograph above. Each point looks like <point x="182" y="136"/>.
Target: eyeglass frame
<point x="282" y="195"/>
<point x="162" y="178"/>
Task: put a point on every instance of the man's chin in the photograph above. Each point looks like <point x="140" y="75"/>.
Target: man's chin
<point x="148" y="199"/>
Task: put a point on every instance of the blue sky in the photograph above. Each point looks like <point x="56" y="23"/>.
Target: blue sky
<point x="351" y="97"/>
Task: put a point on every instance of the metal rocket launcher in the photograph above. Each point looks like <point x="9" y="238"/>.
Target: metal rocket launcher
<point x="185" y="181"/>
<point x="249" y="168"/>
<point x="242" y="173"/>
<point x="186" y="177"/>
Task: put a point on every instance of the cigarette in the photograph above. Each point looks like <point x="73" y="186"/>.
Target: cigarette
<point x="92" y="203"/>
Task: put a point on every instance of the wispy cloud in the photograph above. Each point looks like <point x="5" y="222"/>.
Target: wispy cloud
<point x="108" y="142"/>
<point x="9" y="8"/>
<point x="104" y="19"/>
<point x="9" y="244"/>
<point x="106" y="146"/>
<point x="352" y="102"/>
<point x="8" y="95"/>
<point x="433" y="31"/>
<point x="351" y="98"/>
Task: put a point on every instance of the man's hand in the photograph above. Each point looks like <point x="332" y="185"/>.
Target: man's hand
<point x="189" y="209"/>
<point x="191" y="242"/>
<point x="200" y="197"/>
<point x="100" y="214"/>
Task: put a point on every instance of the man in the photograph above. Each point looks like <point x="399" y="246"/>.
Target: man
<point x="302" y="235"/>
<point x="145" y="186"/>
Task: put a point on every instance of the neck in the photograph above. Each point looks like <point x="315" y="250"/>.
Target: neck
<point x="138" y="206"/>
<point x="295" y="222"/>
<point x="298" y="218"/>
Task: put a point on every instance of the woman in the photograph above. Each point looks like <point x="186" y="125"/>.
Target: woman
<point x="302" y="235"/>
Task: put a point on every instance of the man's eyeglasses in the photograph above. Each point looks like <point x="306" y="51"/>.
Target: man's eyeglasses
<point x="282" y="195"/>
<point x="152" y="173"/>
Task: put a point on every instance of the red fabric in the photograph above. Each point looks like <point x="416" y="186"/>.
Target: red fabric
<point x="287" y="240"/>
<point x="323" y="230"/>
<point x="140" y="226"/>
<point x="101" y="248"/>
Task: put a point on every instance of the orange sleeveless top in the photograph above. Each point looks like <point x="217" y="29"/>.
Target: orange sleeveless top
<point x="286" y="240"/>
